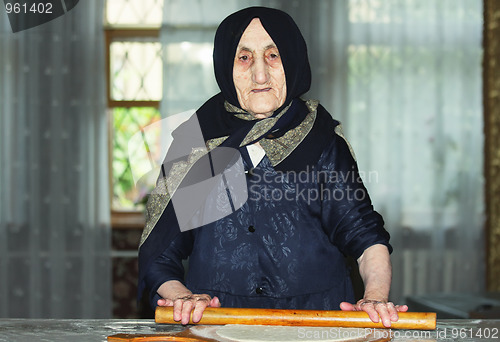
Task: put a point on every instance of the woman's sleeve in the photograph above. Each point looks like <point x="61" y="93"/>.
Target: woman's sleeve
<point x="348" y="216"/>
<point x="168" y="266"/>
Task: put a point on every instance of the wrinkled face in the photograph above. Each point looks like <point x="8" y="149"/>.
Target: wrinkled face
<point x="258" y="74"/>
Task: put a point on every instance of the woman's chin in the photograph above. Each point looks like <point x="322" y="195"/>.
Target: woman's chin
<point x="263" y="110"/>
<point x="261" y="115"/>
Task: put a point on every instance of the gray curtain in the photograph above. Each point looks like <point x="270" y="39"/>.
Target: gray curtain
<point x="54" y="201"/>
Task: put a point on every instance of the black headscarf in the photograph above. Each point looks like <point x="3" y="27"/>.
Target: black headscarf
<point x="214" y="120"/>
<point x="285" y="34"/>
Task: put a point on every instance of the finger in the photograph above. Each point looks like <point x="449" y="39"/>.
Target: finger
<point x="345" y="306"/>
<point x="383" y="312"/>
<point x="215" y="302"/>
<point x="370" y="310"/>
<point x="393" y="312"/>
<point x="178" y="304"/>
<point x="165" y="302"/>
<point x="200" y="306"/>
<point x="187" y="307"/>
<point x="402" y="308"/>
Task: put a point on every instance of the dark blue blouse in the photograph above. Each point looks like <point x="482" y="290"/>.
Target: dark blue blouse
<point x="285" y="248"/>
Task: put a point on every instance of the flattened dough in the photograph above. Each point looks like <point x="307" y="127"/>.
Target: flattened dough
<point x="268" y="333"/>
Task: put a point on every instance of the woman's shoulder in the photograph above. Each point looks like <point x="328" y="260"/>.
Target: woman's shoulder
<point x="338" y="147"/>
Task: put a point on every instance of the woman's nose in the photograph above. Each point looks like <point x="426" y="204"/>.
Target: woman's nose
<point x="260" y="71"/>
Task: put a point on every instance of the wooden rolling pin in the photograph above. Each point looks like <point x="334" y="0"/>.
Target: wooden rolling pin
<point x="316" y="318"/>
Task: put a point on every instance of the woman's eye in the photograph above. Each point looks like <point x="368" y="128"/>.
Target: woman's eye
<point x="244" y="58"/>
<point x="273" y="56"/>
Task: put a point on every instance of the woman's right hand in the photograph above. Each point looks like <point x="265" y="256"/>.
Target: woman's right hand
<point x="175" y="294"/>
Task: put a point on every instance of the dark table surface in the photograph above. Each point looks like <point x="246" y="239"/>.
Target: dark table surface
<point x="54" y="330"/>
<point x="458" y="305"/>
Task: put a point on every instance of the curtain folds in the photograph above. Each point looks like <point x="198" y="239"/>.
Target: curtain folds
<point x="491" y="82"/>
<point x="54" y="213"/>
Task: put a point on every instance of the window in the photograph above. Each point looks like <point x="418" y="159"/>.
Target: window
<point x="134" y="80"/>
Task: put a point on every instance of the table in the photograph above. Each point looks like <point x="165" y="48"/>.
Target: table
<point x="55" y="330"/>
<point x="458" y="305"/>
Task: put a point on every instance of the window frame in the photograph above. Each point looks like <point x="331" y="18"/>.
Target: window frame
<point x="123" y="219"/>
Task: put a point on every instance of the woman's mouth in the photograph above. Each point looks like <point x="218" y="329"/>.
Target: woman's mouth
<point x="260" y="90"/>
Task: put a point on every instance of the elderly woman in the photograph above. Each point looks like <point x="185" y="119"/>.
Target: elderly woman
<point x="307" y="207"/>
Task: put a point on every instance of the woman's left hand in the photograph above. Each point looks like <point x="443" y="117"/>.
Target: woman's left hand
<point x="387" y="311"/>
